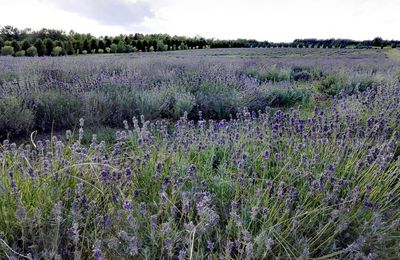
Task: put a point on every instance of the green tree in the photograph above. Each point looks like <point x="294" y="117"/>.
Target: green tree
<point x="101" y="45"/>
<point x="49" y="45"/>
<point x="25" y="45"/>
<point x="69" y="48"/>
<point x="113" y="48"/>
<point x="41" y="50"/>
<point x="377" y="42"/>
<point x="31" y="51"/>
<point x="108" y="42"/>
<point x="86" y="46"/>
<point x="15" y="45"/>
<point x="57" y="51"/>
<point x="93" y="44"/>
<point x="161" y="46"/>
<point x="7" y="50"/>
<point x="1" y="42"/>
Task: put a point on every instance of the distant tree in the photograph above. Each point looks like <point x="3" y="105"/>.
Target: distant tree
<point x="31" y="51"/>
<point x="56" y="51"/>
<point x="377" y="42"/>
<point x="77" y="45"/>
<point x="108" y="42"/>
<point x="115" y="40"/>
<point x="20" y="53"/>
<point x="127" y="40"/>
<point x="41" y="50"/>
<point x="101" y="45"/>
<point x="69" y="48"/>
<point x="139" y="45"/>
<point x="7" y="50"/>
<point x="9" y="33"/>
<point x="1" y="42"/>
<point x="25" y="45"/>
<point x="93" y="44"/>
<point x="49" y="45"/>
<point x="145" y="45"/>
<point x="113" y="48"/>
<point x="61" y="44"/>
<point x="15" y="45"/>
<point x="86" y="46"/>
<point x="161" y="46"/>
<point x="121" y="47"/>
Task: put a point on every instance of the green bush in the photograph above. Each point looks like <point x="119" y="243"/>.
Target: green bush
<point x="176" y="101"/>
<point x="15" y="119"/>
<point x="216" y="101"/>
<point x="361" y="84"/>
<point x="56" y="51"/>
<point x="113" y="48"/>
<point x="149" y="103"/>
<point x="7" y="50"/>
<point x="110" y="105"/>
<point x="56" y="109"/>
<point x="286" y="97"/>
<point x="31" y="51"/>
<point x="331" y="85"/>
<point x="20" y="53"/>
<point x="184" y="102"/>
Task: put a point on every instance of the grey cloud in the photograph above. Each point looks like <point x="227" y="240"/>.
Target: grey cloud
<point x="108" y="12"/>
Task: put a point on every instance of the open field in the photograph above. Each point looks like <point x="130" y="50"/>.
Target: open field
<point x="235" y="153"/>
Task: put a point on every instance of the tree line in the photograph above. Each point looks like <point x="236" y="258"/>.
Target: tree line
<point x="50" y="42"/>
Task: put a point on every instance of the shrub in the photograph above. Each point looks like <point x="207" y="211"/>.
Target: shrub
<point x="177" y="101"/>
<point x="7" y="50"/>
<point x="184" y="102"/>
<point x="216" y="101"/>
<point x="273" y="75"/>
<point x="93" y="51"/>
<point x="361" y="84"/>
<point x="286" y="97"/>
<point x="108" y="50"/>
<point x="302" y="76"/>
<point x="100" y="51"/>
<point x="161" y="46"/>
<point x="56" y="51"/>
<point x="330" y="85"/>
<point x="149" y="103"/>
<point x="31" y="51"/>
<point x="15" y="119"/>
<point x="113" y="48"/>
<point x="113" y="104"/>
<point x="84" y="52"/>
<point x="56" y="109"/>
<point x="20" y="53"/>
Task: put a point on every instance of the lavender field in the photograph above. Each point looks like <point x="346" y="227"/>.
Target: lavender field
<point x="218" y="154"/>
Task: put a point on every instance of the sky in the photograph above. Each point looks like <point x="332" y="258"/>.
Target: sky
<point x="272" y="20"/>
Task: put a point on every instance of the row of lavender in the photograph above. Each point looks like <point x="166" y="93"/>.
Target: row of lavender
<point x="52" y="93"/>
<point x="288" y="186"/>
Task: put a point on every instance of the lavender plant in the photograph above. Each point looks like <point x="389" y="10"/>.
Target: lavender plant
<point x="290" y="183"/>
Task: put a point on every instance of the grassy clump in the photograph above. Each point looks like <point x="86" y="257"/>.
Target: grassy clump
<point x="15" y="118"/>
<point x="55" y="109"/>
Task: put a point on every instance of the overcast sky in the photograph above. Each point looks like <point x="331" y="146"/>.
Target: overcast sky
<point x="273" y="20"/>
